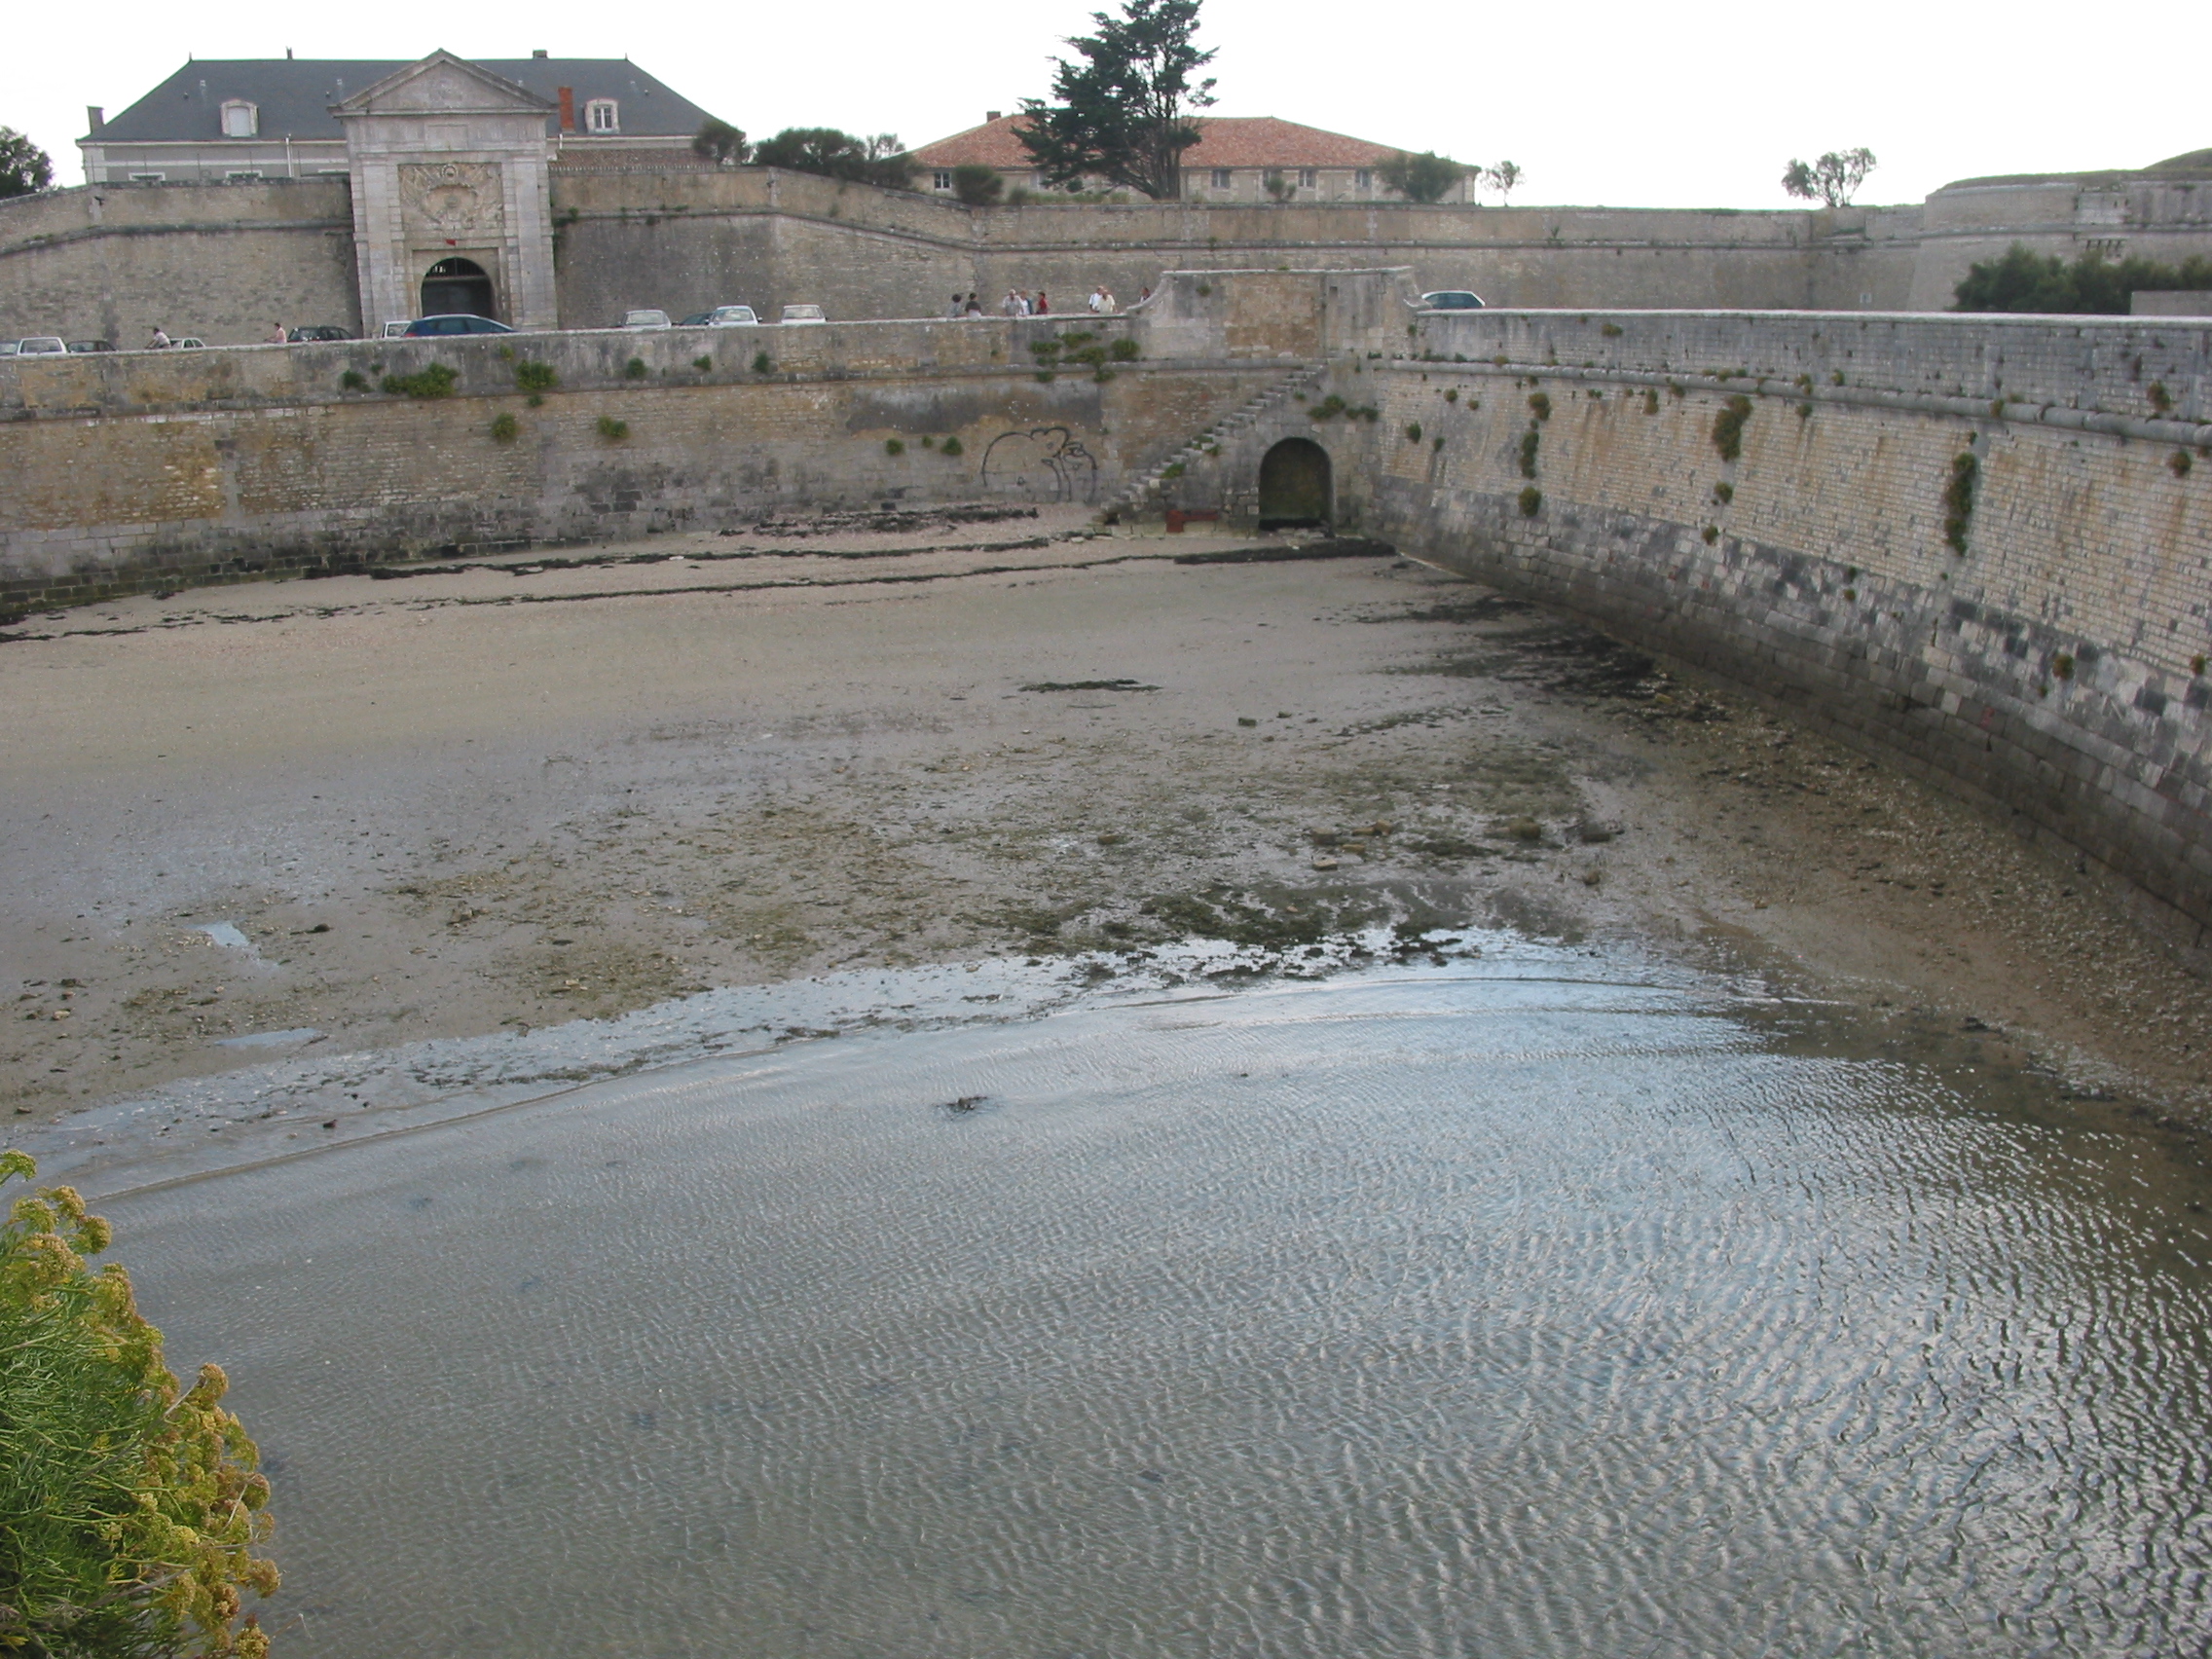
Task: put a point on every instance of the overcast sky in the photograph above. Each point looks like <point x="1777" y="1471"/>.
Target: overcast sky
<point x="1646" y="104"/>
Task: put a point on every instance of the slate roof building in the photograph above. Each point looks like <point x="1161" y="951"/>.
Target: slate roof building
<point x="232" y="120"/>
<point x="1233" y="161"/>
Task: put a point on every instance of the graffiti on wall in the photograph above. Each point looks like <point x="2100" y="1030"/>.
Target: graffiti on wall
<point x="1046" y="463"/>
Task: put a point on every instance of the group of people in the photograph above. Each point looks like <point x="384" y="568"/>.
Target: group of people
<point x="1018" y="304"/>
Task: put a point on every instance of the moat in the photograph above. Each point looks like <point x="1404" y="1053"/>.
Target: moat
<point x="1551" y="1300"/>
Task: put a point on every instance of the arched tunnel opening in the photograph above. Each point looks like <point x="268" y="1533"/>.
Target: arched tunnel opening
<point x="1294" y="486"/>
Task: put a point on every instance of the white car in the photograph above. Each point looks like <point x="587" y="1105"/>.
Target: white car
<point x="397" y="330"/>
<point x="803" y="314"/>
<point x="639" y="321"/>
<point x="42" y="346"/>
<point x="722" y="316"/>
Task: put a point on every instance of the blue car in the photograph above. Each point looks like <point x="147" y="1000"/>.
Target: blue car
<point x="454" y="323"/>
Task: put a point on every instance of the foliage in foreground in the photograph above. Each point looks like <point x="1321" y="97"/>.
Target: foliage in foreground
<point x="2026" y="281"/>
<point x="24" y="168"/>
<point x="1122" y="114"/>
<point x="128" y="1504"/>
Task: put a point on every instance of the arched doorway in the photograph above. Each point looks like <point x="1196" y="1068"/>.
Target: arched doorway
<point x="456" y="288"/>
<point x="1294" y="486"/>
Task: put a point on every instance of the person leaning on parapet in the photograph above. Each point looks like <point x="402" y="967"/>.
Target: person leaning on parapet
<point x="160" y="342"/>
<point x="975" y="305"/>
<point x="1043" y="306"/>
<point x="1097" y="300"/>
<point x="959" y="307"/>
<point x="278" y="336"/>
<point x="1014" y="305"/>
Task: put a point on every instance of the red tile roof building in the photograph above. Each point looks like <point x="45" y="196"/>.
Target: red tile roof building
<point x="1233" y="161"/>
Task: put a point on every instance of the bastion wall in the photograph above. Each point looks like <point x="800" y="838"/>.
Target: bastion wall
<point x="140" y="469"/>
<point x="2053" y="662"/>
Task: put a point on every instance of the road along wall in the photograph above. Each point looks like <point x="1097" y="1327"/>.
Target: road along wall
<point x="1983" y="547"/>
<point x="144" y="469"/>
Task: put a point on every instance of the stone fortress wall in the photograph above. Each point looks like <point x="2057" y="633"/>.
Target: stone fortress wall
<point x="2054" y="661"/>
<point x="130" y="470"/>
<point x="222" y="261"/>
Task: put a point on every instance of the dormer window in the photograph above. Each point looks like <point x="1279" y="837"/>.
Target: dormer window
<point x="603" y="115"/>
<point x="241" y="120"/>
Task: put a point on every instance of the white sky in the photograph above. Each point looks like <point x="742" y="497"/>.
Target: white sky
<point x="1645" y="105"/>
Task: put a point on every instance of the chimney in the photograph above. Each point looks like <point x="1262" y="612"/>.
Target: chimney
<point x="991" y="114"/>
<point x="96" y="118"/>
<point x="538" y="52"/>
<point x="568" y="96"/>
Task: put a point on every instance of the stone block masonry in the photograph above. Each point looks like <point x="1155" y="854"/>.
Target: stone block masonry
<point x="152" y="469"/>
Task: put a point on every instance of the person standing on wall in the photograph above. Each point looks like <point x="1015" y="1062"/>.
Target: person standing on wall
<point x="959" y="307"/>
<point x="1043" y="305"/>
<point x="278" y="336"/>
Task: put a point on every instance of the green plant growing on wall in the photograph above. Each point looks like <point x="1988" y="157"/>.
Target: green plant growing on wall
<point x="1610" y="330"/>
<point x="436" y="380"/>
<point x="537" y="379"/>
<point x="612" y="429"/>
<point x="1728" y="427"/>
<point x="353" y="379"/>
<point x="1958" y="499"/>
<point x="1450" y="394"/>
<point x="705" y="365"/>
<point x="1650" y="400"/>
<point x="505" y="429"/>
<point x="1531" y="502"/>
<point x="1711" y="534"/>
<point x="2161" y="398"/>
<point x="1437" y="443"/>
<point x="2062" y="665"/>
<point x="1528" y="443"/>
<point x="2179" y="463"/>
<point x="2196" y="663"/>
<point x="1836" y="377"/>
<point x="1724" y="493"/>
<point x="928" y="442"/>
<point x="952" y="447"/>
<point x="1540" y="405"/>
<point x="894" y="446"/>
<point x="1123" y="351"/>
<point x="133" y="1506"/>
<point x="1804" y="411"/>
<point x="760" y="363"/>
<point x="1412" y="431"/>
<point x="634" y="369"/>
<point x="1174" y="471"/>
<point x="1204" y="289"/>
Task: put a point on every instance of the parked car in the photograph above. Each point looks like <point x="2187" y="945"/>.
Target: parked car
<point x="802" y="313"/>
<point x="40" y="346"/>
<point x="1451" y="299"/>
<point x="190" y="343"/>
<point x="455" y="323"/>
<point x="7" y="347"/>
<point x="395" y="330"/>
<point x="92" y="344"/>
<point x="722" y="316"/>
<point x="318" y="332"/>
<point x="645" y="319"/>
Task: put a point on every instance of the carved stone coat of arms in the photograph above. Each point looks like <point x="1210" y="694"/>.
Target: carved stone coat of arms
<point x="452" y="198"/>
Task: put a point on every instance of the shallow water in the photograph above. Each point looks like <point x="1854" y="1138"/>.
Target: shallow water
<point x="1544" y="1307"/>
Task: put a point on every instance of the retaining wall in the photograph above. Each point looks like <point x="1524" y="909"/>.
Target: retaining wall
<point x="152" y="469"/>
<point x="2054" y="664"/>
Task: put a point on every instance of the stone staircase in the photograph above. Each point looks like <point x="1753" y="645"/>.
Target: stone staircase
<point x="1143" y="492"/>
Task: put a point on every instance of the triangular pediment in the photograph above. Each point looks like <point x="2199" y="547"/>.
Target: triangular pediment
<point x="443" y="83"/>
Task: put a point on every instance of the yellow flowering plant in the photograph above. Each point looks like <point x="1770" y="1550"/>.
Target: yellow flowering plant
<point x="129" y="1504"/>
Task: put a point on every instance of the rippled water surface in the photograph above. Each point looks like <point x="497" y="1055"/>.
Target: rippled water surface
<point x="1528" y="1312"/>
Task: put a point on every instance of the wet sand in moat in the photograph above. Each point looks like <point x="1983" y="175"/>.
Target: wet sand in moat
<point x="524" y="790"/>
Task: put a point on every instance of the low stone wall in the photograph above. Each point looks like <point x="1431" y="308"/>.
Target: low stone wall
<point x="2054" y="662"/>
<point x="148" y="469"/>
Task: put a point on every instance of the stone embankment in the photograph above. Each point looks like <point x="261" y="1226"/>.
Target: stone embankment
<point x="1980" y="544"/>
